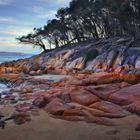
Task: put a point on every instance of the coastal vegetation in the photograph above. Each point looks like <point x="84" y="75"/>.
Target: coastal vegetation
<point x="85" y="20"/>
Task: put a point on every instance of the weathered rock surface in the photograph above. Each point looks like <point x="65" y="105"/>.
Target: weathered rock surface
<point x="56" y="107"/>
<point x="99" y="56"/>
<point x="83" y="97"/>
<point x="102" y="88"/>
<point x="127" y="95"/>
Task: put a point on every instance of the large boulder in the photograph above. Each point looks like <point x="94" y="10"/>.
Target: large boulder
<point x="40" y="101"/>
<point x="126" y="95"/>
<point x="56" y="107"/>
<point x="105" y="90"/>
<point x="83" y="97"/>
<point x="109" y="109"/>
<point x="133" y="107"/>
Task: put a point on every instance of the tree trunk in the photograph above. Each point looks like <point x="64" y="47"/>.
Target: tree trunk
<point x="43" y="47"/>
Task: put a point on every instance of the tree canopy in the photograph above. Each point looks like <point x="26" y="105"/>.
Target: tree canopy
<point x="87" y="19"/>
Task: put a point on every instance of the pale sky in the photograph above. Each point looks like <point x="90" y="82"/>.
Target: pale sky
<point x="19" y="17"/>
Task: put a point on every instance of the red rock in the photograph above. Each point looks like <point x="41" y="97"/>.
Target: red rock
<point x="73" y="112"/>
<point x="109" y="109"/>
<point x="27" y="90"/>
<point x="106" y="79"/>
<point x="130" y="78"/>
<point x="56" y="107"/>
<point x="64" y="96"/>
<point x="124" y="84"/>
<point x="74" y="118"/>
<point x="134" y="107"/>
<point x="32" y="72"/>
<point x="83" y="97"/>
<point x="126" y="95"/>
<point x="94" y="79"/>
<point x="24" y="107"/>
<point x="38" y="72"/>
<point x="40" y="101"/>
<point x="103" y="91"/>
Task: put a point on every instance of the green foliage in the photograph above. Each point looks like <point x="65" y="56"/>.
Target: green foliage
<point x="86" y="19"/>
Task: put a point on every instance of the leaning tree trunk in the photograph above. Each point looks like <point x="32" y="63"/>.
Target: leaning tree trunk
<point x="44" y="48"/>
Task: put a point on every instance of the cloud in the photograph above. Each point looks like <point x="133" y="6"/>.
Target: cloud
<point x="43" y="13"/>
<point x="7" y="20"/>
<point x="15" y="31"/>
<point x="8" y="41"/>
<point x="11" y="45"/>
<point x="56" y="2"/>
<point x="64" y="2"/>
<point x="5" y="2"/>
<point x="47" y="9"/>
<point x="24" y="16"/>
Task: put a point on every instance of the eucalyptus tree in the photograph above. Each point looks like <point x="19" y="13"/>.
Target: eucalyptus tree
<point x="86" y="19"/>
<point x="35" y="39"/>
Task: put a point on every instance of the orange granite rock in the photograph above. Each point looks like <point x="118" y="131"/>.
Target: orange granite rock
<point x="83" y="97"/>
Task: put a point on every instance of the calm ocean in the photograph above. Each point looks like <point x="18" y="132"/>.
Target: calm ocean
<point x="8" y="56"/>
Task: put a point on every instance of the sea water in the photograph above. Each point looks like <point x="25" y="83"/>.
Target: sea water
<point x="6" y="56"/>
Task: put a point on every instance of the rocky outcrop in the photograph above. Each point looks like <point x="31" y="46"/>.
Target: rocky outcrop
<point x="102" y="87"/>
<point x="102" y="55"/>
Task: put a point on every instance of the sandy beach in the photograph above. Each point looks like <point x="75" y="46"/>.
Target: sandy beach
<point x="44" y="127"/>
